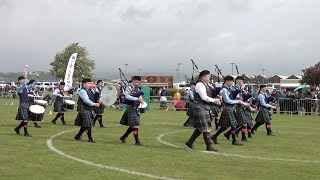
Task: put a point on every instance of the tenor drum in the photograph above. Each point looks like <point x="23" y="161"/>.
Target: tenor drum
<point x="36" y="112"/>
<point x="69" y="105"/>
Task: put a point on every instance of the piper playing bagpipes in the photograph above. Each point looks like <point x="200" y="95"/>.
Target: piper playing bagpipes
<point x="131" y="117"/>
<point x="200" y="113"/>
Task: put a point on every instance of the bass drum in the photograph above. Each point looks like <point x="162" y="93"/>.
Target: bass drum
<point x="109" y="95"/>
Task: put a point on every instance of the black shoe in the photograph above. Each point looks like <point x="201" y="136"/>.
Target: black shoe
<point x="252" y="131"/>
<point x="138" y="144"/>
<point x="27" y="135"/>
<point x="226" y="135"/>
<point x="77" y="138"/>
<point x="214" y="139"/>
<point x="54" y="122"/>
<point x="122" y="139"/>
<point x="17" y="131"/>
<point x="64" y="124"/>
<point x="189" y="144"/>
<point x="244" y="140"/>
<point x="210" y="148"/>
<point x="249" y="136"/>
<point x="103" y="126"/>
<point x="270" y="134"/>
<point x="91" y="141"/>
<point x="186" y="125"/>
<point x="236" y="143"/>
<point x="37" y="126"/>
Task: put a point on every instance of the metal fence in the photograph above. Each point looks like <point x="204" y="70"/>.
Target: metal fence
<point x="298" y="106"/>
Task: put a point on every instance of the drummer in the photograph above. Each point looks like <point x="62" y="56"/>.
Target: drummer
<point x="58" y="103"/>
<point x="33" y="96"/>
<point x="86" y="106"/>
<point x="23" y="111"/>
<point x="97" y="97"/>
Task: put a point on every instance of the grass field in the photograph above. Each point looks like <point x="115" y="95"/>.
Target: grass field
<point x="294" y="153"/>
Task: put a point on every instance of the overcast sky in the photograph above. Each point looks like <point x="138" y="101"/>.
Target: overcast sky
<point x="281" y="36"/>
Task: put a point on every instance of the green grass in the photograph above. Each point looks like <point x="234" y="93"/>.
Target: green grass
<point x="296" y="137"/>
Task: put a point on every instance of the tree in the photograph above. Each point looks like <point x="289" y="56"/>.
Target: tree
<point x="311" y="75"/>
<point x="83" y="66"/>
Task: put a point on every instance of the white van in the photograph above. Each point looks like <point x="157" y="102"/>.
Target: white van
<point x="272" y="86"/>
<point x="47" y="85"/>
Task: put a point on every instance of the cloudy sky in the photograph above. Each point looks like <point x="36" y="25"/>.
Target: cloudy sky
<point x="281" y="36"/>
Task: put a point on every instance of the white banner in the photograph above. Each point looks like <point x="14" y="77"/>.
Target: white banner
<point x="69" y="73"/>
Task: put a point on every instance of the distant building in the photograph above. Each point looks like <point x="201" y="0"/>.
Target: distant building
<point x="157" y="81"/>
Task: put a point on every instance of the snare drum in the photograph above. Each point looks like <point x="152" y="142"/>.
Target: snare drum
<point x="142" y="108"/>
<point x="42" y="103"/>
<point x="69" y="105"/>
<point x="36" y="112"/>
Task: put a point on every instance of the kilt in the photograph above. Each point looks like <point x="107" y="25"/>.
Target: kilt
<point x="130" y="117"/>
<point x="199" y="118"/>
<point x="23" y="112"/>
<point x="58" y="106"/>
<point x="249" y="118"/>
<point x="227" y="118"/>
<point x="99" y="110"/>
<point x="189" y="111"/>
<point x="215" y="111"/>
<point x="241" y="115"/>
<point x="84" y="118"/>
<point x="263" y="116"/>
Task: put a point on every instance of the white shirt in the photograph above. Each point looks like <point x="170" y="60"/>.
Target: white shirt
<point x="202" y="91"/>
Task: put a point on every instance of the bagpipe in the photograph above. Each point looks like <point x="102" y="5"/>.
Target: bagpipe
<point x="215" y="90"/>
<point x="124" y="84"/>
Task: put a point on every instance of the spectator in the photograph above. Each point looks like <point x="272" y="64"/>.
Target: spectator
<point x="318" y="97"/>
<point x="281" y="99"/>
<point x="308" y="103"/>
<point x="274" y="96"/>
<point x="164" y="92"/>
<point x="177" y="95"/>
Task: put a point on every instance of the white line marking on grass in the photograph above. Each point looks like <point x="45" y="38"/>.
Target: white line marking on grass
<point x="296" y="127"/>
<point x="159" y="139"/>
<point x="50" y="145"/>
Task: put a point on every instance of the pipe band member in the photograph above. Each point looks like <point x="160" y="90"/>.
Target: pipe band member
<point x="200" y="113"/>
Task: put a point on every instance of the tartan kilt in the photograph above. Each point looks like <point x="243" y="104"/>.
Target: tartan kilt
<point x="130" y="117"/>
<point x="263" y="116"/>
<point x="227" y="118"/>
<point x="215" y="110"/>
<point x="23" y="112"/>
<point x="84" y="118"/>
<point x="58" y="106"/>
<point x="249" y="117"/>
<point x="241" y="115"/>
<point x="99" y="110"/>
<point x="189" y="111"/>
<point x="200" y="118"/>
